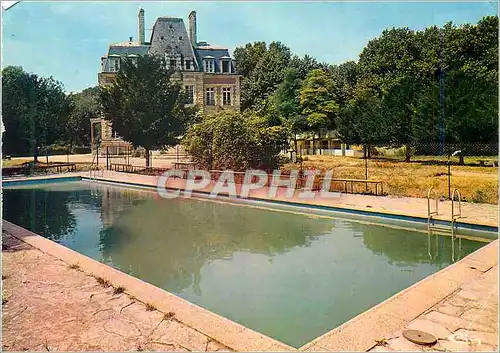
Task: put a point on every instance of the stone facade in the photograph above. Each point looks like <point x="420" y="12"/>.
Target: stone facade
<point x="207" y="72"/>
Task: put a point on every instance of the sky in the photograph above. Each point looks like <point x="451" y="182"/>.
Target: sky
<point x="67" y="39"/>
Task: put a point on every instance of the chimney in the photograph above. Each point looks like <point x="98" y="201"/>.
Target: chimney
<point x="141" y="27"/>
<point x="192" y="28"/>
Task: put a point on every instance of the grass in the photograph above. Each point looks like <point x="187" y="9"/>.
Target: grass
<point x="118" y="290"/>
<point x="476" y="184"/>
<point x="74" y="267"/>
<point x="150" y="307"/>
<point x="103" y="282"/>
<point x="168" y="316"/>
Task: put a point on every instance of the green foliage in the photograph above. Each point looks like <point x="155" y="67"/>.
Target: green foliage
<point x="84" y="106"/>
<point x="231" y="140"/>
<point x="396" y="96"/>
<point x="317" y="100"/>
<point x="145" y="104"/>
<point x="35" y="111"/>
<point x="262" y="70"/>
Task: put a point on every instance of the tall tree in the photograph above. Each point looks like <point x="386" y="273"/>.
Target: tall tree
<point x="287" y="102"/>
<point x="84" y="106"/>
<point x="303" y="65"/>
<point x="35" y="111"/>
<point x="318" y="103"/>
<point x="145" y="104"/>
<point x="262" y="70"/>
<point x="247" y="58"/>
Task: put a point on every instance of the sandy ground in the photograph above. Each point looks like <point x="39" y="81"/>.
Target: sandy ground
<point x="163" y="161"/>
<point x="49" y="306"/>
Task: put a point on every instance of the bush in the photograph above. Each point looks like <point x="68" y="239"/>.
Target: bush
<point x="230" y="140"/>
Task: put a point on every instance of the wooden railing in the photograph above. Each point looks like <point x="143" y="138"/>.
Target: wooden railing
<point x="351" y="186"/>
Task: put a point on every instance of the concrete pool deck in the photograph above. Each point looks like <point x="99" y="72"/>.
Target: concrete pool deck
<point x="419" y="306"/>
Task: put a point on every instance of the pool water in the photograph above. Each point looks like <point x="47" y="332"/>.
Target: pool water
<point x="290" y="276"/>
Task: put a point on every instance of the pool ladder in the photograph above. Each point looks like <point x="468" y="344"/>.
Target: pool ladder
<point x="94" y="169"/>
<point x="433" y="228"/>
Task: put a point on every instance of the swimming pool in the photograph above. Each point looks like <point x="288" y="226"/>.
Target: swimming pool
<point x="290" y="275"/>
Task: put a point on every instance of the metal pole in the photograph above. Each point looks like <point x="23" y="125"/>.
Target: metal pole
<point x="107" y="157"/>
<point x="441" y="95"/>
<point x="97" y="155"/>
<point x="449" y="178"/>
<point x="366" y="171"/>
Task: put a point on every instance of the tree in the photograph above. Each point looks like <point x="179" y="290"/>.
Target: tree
<point x="361" y="120"/>
<point x="15" y="107"/>
<point x="390" y="63"/>
<point x="35" y="111"/>
<point x="231" y="140"/>
<point x="317" y="101"/>
<point x="145" y="104"/>
<point x="84" y="106"/>
<point x="246" y="59"/>
<point x="303" y="65"/>
<point x="262" y="70"/>
<point x="287" y="103"/>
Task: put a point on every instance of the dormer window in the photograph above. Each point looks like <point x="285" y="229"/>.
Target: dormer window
<point x="187" y="64"/>
<point x="209" y="64"/>
<point x="114" y="63"/>
<point x="225" y="64"/>
<point x="133" y="59"/>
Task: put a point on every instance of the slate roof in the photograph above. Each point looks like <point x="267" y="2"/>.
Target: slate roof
<point x="170" y="37"/>
<point x="216" y="54"/>
<point x="123" y="50"/>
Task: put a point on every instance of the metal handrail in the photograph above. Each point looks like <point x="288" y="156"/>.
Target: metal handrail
<point x="453" y="214"/>
<point x="429" y="213"/>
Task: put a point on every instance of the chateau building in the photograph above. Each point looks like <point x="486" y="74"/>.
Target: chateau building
<point x="208" y="72"/>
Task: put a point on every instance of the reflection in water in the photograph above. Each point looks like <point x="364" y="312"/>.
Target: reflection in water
<point x="290" y="276"/>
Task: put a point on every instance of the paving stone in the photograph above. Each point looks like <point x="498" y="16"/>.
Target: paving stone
<point x="402" y="344"/>
<point x="57" y="308"/>
<point x="456" y="346"/>
<point x="381" y="349"/>
<point x="435" y="329"/>
<point x="484" y="337"/>
<point x="448" y="309"/>
<point x="453" y="323"/>
<point x="487" y="317"/>
<point x="484" y="348"/>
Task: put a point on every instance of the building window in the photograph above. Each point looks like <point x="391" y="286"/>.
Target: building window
<point x="226" y="96"/>
<point x="189" y="94"/>
<point x="226" y="66"/>
<point x="210" y="96"/>
<point x="172" y="63"/>
<point x="115" y="65"/>
<point x="187" y="63"/>
<point x="209" y="65"/>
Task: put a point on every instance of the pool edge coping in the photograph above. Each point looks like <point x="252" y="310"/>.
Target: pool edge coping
<point x="221" y="329"/>
<point x="450" y="277"/>
<point x="465" y="223"/>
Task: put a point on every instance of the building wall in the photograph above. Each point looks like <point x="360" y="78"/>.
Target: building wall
<point x="200" y="81"/>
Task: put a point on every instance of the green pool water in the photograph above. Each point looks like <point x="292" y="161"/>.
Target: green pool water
<point x="290" y="276"/>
